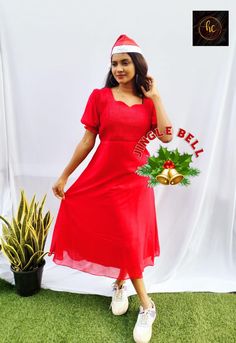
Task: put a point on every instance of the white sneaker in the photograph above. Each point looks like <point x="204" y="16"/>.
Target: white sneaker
<point x="120" y="302"/>
<point x="142" y="332"/>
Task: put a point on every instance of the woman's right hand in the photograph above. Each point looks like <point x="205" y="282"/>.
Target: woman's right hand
<point x="58" y="188"/>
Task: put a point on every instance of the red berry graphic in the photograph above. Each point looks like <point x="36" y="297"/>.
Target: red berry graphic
<point x="168" y="165"/>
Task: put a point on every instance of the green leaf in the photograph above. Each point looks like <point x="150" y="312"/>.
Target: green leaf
<point x="40" y="232"/>
<point x="185" y="159"/>
<point x="39" y="260"/>
<point x="13" y="242"/>
<point x="30" y="249"/>
<point x="185" y="182"/>
<point x="7" y="253"/>
<point x="193" y="172"/>
<point x="144" y="170"/>
<point x="46" y="229"/>
<point x="11" y="253"/>
<point x="19" y="248"/>
<point x="34" y="219"/>
<point x="182" y="170"/>
<point x="30" y="213"/>
<point x="16" y="229"/>
<point x="156" y="172"/>
<point x="163" y="153"/>
<point x="172" y="157"/>
<point x="34" y="236"/>
<point x="30" y="265"/>
<point x="152" y="182"/>
<point x="5" y="221"/>
<point x="41" y="206"/>
<point x="46" y="219"/>
<point x="21" y="207"/>
<point x="5" y="231"/>
<point x="23" y="229"/>
<point x="153" y="161"/>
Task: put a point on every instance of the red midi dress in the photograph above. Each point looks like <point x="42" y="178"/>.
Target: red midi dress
<point x="106" y="225"/>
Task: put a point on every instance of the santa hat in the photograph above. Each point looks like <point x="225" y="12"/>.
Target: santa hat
<point x="125" y="44"/>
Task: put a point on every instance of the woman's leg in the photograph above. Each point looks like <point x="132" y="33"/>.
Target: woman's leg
<point x="121" y="277"/>
<point x="119" y="282"/>
<point x="141" y="291"/>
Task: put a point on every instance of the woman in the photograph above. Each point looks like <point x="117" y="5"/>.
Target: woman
<point x="106" y="224"/>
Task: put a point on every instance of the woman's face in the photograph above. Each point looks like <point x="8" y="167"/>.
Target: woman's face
<point x="122" y="68"/>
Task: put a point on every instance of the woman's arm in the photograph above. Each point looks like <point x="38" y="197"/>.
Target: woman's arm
<point x="82" y="150"/>
<point x="162" y="119"/>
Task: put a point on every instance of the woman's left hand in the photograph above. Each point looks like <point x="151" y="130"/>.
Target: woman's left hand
<point x="152" y="92"/>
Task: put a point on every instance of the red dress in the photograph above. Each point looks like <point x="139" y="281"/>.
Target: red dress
<point x="106" y="225"/>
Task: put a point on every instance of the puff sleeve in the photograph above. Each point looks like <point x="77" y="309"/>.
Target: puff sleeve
<point x="90" y="117"/>
<point x="153" y="118"/>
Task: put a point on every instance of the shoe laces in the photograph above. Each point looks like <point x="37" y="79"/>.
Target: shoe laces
<point x="145" y="315"/>
<point x="118" y="295"/>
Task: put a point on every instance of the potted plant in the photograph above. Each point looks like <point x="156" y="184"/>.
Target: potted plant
<point x="23" y="242"/>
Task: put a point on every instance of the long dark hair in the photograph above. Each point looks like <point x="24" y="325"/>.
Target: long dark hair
<point x="141" y="69"/>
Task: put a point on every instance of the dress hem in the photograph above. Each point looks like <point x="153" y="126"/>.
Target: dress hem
<point x="61" y="263"/>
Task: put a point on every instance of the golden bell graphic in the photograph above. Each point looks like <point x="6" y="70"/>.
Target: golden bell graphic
<point x="174" y="177"/>
<point x="169" y="175"/>
<point x="163" y="177"/>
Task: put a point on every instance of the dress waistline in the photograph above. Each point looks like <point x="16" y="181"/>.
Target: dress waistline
<point x="118" y="140"/>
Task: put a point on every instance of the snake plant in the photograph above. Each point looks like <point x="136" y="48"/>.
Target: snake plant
<point x="23" y="239"/>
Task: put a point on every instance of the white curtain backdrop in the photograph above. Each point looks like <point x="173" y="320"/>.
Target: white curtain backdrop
<point x="53" y="54"/>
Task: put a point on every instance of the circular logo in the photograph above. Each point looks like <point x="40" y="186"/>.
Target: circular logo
<point x="209" y="28"/>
